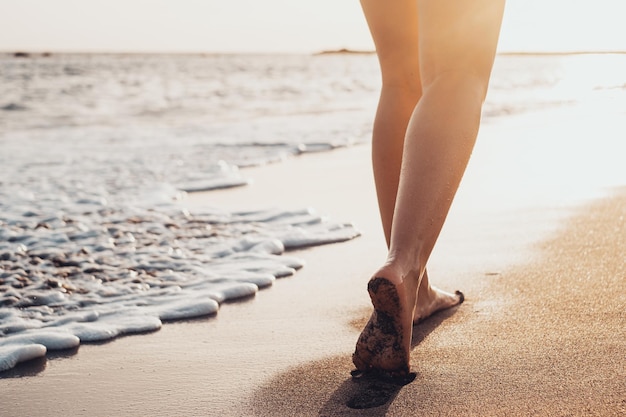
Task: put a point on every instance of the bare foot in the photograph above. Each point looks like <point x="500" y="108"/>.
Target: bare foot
<point x="431" y="300"/>
<point x="385" y="342"/>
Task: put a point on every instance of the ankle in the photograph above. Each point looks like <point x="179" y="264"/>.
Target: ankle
<point x="400" y="272"/>
<point x="407" y="263"/>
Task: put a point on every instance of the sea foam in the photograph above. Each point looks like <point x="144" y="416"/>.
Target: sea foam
<point x="97" y="153"/>
<point x="87" y="277"/>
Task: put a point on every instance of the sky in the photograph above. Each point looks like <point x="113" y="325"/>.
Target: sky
<point x="278" y="25"/>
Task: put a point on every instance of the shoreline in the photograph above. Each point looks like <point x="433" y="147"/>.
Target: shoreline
<point x="260" y="355"/>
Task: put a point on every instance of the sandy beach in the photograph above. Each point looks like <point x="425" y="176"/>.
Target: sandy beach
<point x="542" y="331"/>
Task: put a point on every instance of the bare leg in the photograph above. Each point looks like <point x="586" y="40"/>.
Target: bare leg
<point x="400" y="93"/>
<point x="438" y="54"/>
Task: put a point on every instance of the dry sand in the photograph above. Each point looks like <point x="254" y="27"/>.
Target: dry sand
<point x="542" y="331"/>
<point x="547" y="338"/>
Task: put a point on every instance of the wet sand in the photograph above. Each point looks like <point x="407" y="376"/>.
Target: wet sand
<point x="541" y="332"/>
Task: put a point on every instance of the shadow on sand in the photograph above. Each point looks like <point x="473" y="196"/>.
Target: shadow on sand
<point x="327" y="382"/>
<point x="35" y="366"/>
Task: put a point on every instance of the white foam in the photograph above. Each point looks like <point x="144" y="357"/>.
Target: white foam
<point x="11" y="355"/>
<point x="113" y="325"/>
<point x="51" y="339"/>
<point x="132" y="271"/>
<point x="188" y="308"/>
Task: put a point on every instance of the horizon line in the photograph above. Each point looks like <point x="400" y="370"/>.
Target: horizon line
<point x="46" y="52"/>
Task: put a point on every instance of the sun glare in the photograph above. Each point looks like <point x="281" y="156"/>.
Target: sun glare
<point x="564" y="26"/>
<point x="279" y="25"/>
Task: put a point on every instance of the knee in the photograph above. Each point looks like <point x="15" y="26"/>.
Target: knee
<point x="403" y="85"/>
<point x="464" y="82"/>
<point x="401" y="73"/>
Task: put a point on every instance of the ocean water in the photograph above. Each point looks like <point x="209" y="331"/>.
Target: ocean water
<point x="98" y="151"/>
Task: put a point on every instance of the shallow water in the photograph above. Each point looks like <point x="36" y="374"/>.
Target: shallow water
<point x="98" y="151"/>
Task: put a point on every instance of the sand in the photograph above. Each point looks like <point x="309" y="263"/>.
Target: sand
<point x="546" y="338"/>
<point x="541" y="332"/>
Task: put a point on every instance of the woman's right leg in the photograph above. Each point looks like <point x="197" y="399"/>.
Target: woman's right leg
<point x="457" y="42"/>
<point x="394" y="28"/>
<point x="457" y="46"/>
